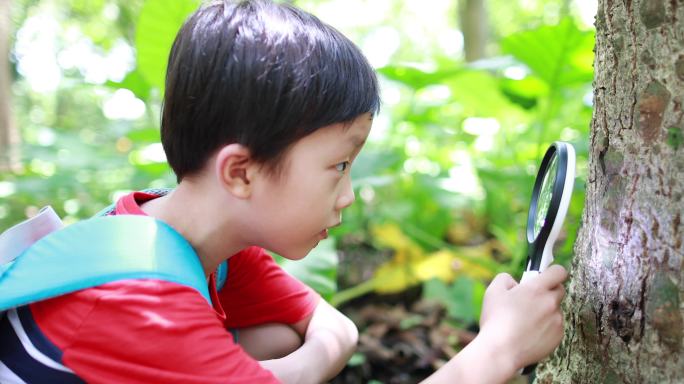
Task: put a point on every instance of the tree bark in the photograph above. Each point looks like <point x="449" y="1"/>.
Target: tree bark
<point x="623" y="312"/>
<point x="474" y="26"/>
<point x="9" y="135"/>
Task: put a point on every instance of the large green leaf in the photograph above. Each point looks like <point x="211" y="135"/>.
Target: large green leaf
<point x="526" y="91"/>
<point x="462" y="299"/>
<point x="479" y="94"/>
<point x="416" y="77"/>
<point x="559" y="54"/>
<point x="136" y="83"/>
<point x="145" y="135"/>
<point x="318" y="269"/>
<point x="157" y="26"/>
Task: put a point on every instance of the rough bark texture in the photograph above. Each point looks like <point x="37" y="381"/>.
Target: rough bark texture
<point x="9" y="136"/>
<point x="624" y="306"/>
<point x="474" y="26"/>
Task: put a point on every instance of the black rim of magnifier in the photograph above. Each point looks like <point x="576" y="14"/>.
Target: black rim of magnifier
<point x="536" y="246"/>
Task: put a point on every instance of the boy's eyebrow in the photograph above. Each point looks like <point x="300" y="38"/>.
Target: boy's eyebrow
<point x="357" y="141"/>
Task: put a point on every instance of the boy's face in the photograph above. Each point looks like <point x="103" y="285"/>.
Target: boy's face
<point x="295" y="210"/>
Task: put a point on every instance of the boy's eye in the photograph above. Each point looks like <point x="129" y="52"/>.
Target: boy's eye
<point x="342" y="166"/>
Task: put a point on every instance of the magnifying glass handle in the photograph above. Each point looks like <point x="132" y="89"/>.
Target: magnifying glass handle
<point x="547" y="259"/>
<point x="529" y="275"/>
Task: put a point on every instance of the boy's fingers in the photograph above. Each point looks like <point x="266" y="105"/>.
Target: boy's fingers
<point x="553" y="276"/>
<point x="502" y="281"/>
<point x="559" y="293"/>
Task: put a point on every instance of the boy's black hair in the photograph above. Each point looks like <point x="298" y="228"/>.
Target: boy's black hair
<point x="260" y="74"/>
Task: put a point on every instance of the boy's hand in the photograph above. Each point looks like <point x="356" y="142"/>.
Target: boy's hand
<point x="520" y="325"/>
<point x="523" y="321"/>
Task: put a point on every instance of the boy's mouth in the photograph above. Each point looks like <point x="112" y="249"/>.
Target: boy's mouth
<point x="324" y="233"/>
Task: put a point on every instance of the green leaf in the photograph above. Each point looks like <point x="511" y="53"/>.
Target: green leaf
<point x="558" y="54"/>
<point x="415" y="77"/>
<point x="479" y="94"/>
<point x="136" y="83"/>
<point x="145" y="135"/>
<point x="157" y="26"/>
<point x="462" y="299"/>
<point x="318" y="269"/>
<point x="525" y="91"/>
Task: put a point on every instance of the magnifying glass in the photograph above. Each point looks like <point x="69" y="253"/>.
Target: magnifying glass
<point x="549" y="205"/>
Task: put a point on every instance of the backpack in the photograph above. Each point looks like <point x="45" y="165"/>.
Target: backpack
<point x="40" y="260"/>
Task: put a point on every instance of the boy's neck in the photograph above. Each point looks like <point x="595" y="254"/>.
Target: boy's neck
<point x="192" y="211"/>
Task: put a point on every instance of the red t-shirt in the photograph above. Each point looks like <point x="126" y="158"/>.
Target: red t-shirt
<point x="153" y="331"/>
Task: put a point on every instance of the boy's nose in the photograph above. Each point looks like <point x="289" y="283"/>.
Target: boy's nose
<point x="346" y="197"/>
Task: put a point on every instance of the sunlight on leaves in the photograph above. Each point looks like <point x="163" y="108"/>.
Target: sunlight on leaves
<point x="412" y="265"/>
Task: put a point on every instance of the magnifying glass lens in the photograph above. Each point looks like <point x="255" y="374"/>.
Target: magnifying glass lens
<point x="545" y="195"/>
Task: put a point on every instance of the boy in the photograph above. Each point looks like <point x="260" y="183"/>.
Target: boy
<point x="265" y="110"/>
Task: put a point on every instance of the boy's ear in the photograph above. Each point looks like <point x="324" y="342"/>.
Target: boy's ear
<point x="235" y="169"/>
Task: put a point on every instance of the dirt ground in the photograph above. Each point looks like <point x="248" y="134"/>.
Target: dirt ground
<point x="402" y="339"/>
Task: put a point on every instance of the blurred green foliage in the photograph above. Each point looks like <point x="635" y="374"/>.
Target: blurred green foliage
<point x="451" y="159"/>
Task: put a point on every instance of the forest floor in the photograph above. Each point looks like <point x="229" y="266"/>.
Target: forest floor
<point x="402" y="339"/>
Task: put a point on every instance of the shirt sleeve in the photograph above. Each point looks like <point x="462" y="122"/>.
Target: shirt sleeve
<point x="258" y="291"/>
<point x="158" y="332"/>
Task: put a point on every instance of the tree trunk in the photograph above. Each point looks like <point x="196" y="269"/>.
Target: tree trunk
<point x="474" y="26"/>
<point x="9" y="135"/>
<point x="623" y="312"/>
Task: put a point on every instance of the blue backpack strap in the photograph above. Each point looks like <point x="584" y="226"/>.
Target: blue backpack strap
<point x="98" y="251"/>
<point x="221" y="271"/>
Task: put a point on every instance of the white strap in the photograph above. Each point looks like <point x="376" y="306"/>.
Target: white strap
<point x="14" y="241"/>
<point x="9" y="377"/>
<point x="28" y="345"/>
